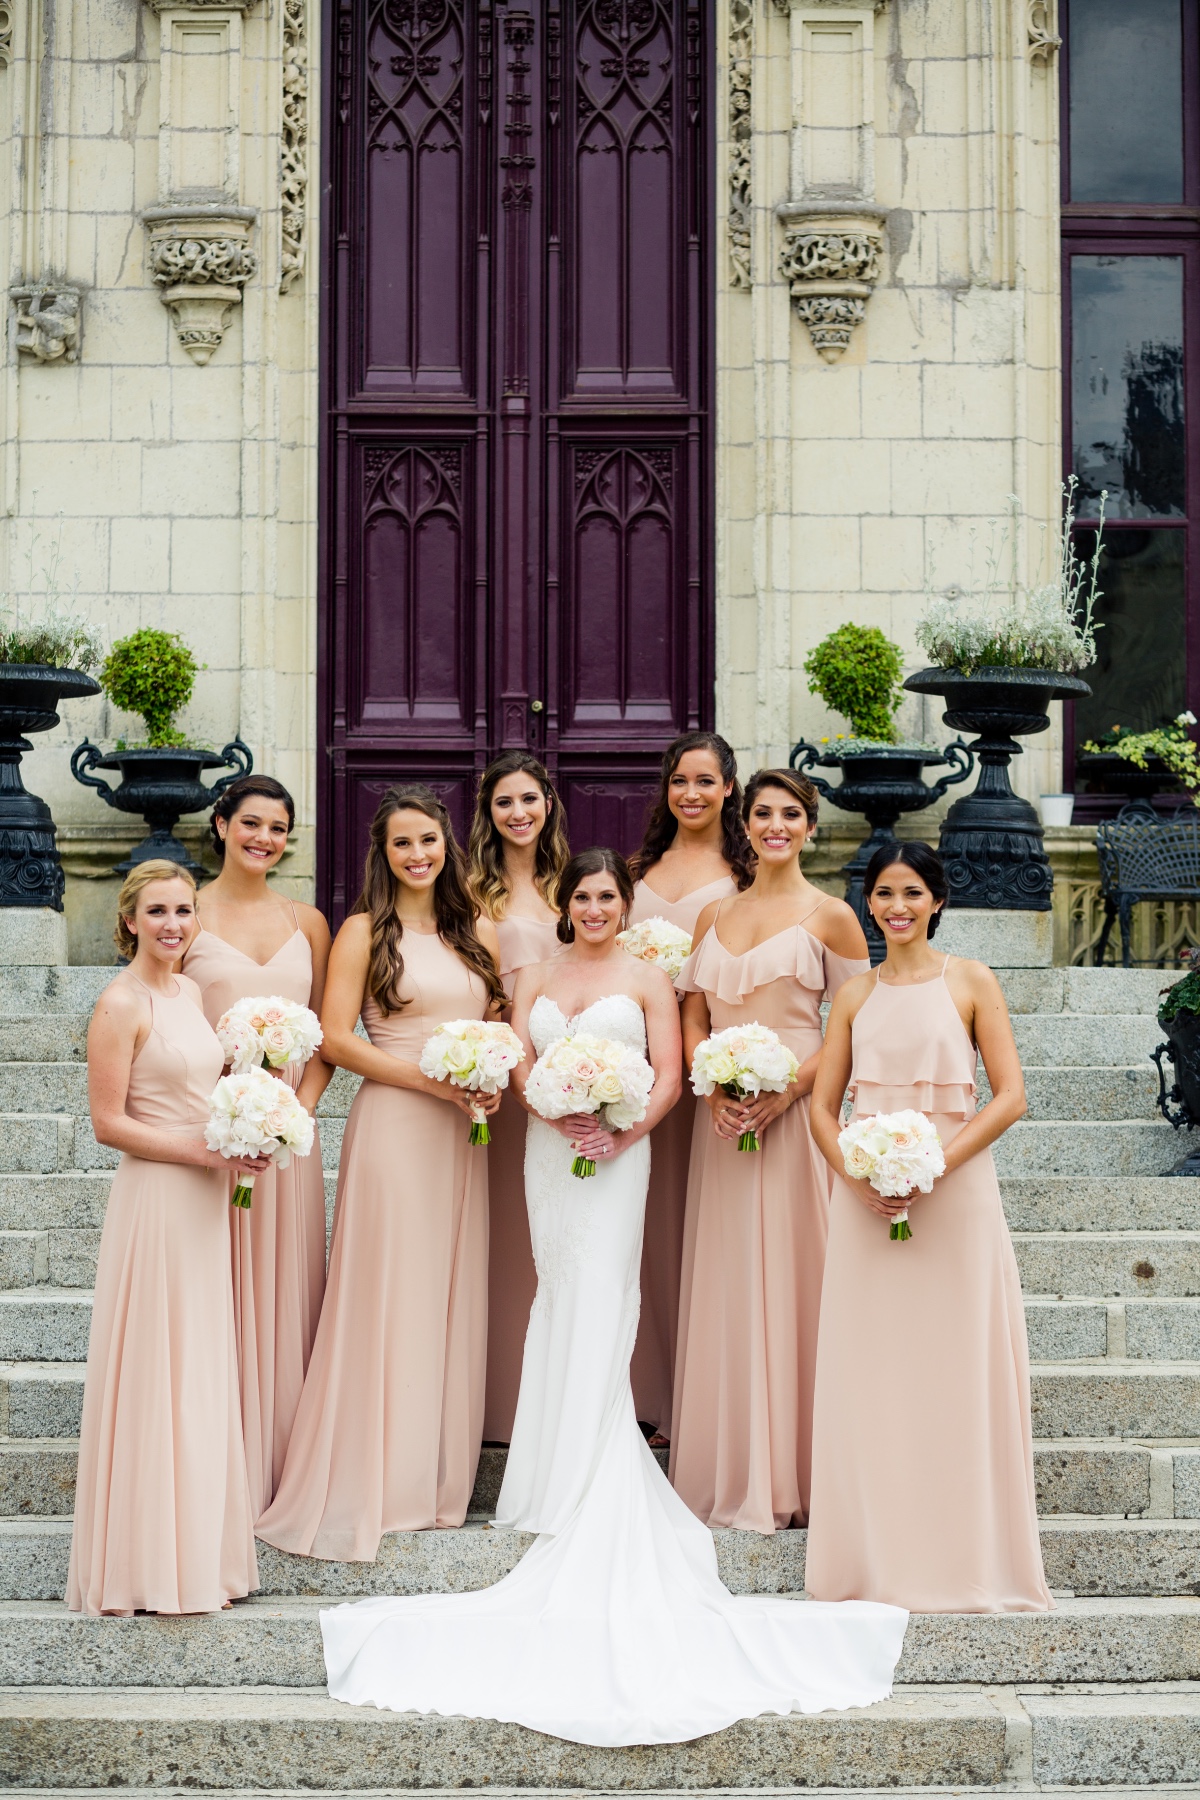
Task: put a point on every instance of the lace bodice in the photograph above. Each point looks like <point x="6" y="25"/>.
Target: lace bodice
<point x="615" y="1016"/>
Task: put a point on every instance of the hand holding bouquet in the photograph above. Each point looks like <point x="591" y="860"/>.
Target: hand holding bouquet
<point x="476" y="1054"/>
<point x="267" y="1032"/>
<point x="254" y="1115"/>
<point x="585" y="1074"/>
<point x="743" y="1060"/>
<point x="898" y="1153"/>
<point x="657" y="941"/>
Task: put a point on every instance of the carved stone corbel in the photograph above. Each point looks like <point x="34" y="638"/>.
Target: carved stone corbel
<point x="6" y="33"/>
<point x="200" y="259"/>
<point x="830" y="259"/>
<point x="47" y="319"/>
<point x="1043" y="38"/>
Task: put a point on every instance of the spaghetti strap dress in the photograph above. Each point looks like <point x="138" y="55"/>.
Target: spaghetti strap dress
<point x="278" y="1242"/>
<point x="162" y="1506"/>
<point x="512" y="1278"/>
<point x="753" y="1257"/>
<point x="652" y="1371"/>
<point x="923" y="1490"/>
<point x="389" y="1425"/>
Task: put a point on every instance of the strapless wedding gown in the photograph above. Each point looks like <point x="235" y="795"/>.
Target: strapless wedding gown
<point x="614" y="1628"/>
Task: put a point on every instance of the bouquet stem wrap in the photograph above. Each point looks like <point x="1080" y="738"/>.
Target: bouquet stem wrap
<point x="481" y="1134"/>
<point x="243" y="1192"/>
<point x="900" y="1229"/>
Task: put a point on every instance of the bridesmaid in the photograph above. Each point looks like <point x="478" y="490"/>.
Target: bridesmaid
<point x="754" y="1239"/>
<point x="162" y="1507"/>
<point x="923" y="1490"/>
<point x="253" y="942"/>
<point x="695" y="851"/>
<point x="390" y="1422"/>
<point x="517" y="851"/>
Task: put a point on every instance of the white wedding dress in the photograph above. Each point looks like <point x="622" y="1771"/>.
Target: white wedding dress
<point x="614" y="1628"/>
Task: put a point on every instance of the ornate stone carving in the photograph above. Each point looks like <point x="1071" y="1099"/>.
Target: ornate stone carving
<point x="6" y="32"/>
<point x="741" y="54"/>
<point x="47" y="320"/>
<point x="293" y="155"/>
<point x="1043" y="39"/>
<point x="159" y="6"/>
<point x="201" y="259"/>
<point x="830" y="259"/>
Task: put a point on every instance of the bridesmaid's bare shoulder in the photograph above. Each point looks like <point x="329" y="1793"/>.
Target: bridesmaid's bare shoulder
<point x="977" y="984"/>
<point x="851" y="995"/>
<point x="312" y="922"/>
<point x="485" y="931"/>
<point x="838" y="928"/>
<point x="125" y="997"/>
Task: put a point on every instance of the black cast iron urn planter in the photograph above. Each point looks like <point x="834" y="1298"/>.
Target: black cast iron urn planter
<point x="161" y="785"/>
<point x="30" y="695"/>
<point x="881" y="781"/>
<point x="1179" y="1103"/>
<point x="991" y="840"/>
<point x="1104" y="772"/>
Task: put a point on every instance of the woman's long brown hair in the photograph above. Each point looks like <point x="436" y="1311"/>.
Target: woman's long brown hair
<point x="485" y="849"/>
<point x="453" y="905"/>
<point x="663" y="825"/>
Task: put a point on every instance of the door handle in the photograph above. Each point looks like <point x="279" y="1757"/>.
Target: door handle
<point x="537" y="706"/>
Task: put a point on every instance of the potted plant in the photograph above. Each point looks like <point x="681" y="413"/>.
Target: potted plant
<point x="1179" y="1016"/>
<point x="1000" y="656"/>
<point x="1137" y="765"/>
<point x="42" y="663"/>
<point x="152" y="673"/>
<point x="856" y="670"/>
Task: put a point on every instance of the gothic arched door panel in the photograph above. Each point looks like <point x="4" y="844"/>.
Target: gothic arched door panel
<point x="516" y="509"/>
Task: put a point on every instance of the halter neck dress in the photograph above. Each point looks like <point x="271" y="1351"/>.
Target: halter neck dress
<point x="389" y="1425"/>
<point x="512" y="1278"/>
<point x="652" y="1371"/>
<point x="753" y="1256"/>
<point x="278" y="1242"/>
<point x="923" y="1490"/>
<point x="162" y="1507"/>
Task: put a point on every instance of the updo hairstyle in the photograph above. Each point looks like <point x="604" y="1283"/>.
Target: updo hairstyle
<point x="803" y="792"/>
<point x="235" y="797"/>
<point x="923" y="860"/>
<point x="597" y="861"/>
<point x="159" y="868"/>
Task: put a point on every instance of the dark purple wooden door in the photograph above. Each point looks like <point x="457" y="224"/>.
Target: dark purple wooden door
<point x="516" y="469"/>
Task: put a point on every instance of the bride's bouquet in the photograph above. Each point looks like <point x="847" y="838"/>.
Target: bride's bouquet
<point x="898" y="1153"/>
<point x="743" y="1060"/>
<point x="267" y="1031"/>
<point x="657" y="941"/>
<point x="254" y="1114"/>
<point x="476" y="1054"/>
<point x="584" y="1074"/>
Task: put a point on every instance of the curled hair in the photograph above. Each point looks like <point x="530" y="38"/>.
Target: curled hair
<point x="157" y="868"/>
<point x="663" y="825"/>
<point x="802" y="792"/>
<point x="924" y="862"/>
<point x="485" y="847"/>
<point x="598" y="861"/>
<point x="453" y="905"/>
<point x="235" y="797"/>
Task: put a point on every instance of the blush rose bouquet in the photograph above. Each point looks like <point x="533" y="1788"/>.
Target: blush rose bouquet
<point x="254" y="1114"/>
<point x="743" y="1060"/>
<point x="267" y="1031"/>
<point x="657" y="941"/>
<point x="476" y="1054"/>
<point x="898" y="1153"/>
<point x="585" y="1074"/>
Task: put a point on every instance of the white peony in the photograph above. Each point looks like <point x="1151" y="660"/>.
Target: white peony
<point x="658" y="941"/>
<point x="268" y="1030"/>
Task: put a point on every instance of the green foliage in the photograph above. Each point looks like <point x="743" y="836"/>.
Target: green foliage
<point x="60" y="641"/>
<point x="1185" y="995"/>
<point x="856" y="671"/>
<point x="151" y="673"/>
<point x="1170" y="743"/>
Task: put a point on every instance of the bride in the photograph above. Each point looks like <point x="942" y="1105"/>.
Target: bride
<point x="614" y="1628"/>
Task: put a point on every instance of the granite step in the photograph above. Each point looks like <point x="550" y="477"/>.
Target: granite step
<point x="1081" y="1148"/>
<point x="1066" y="1040"/>
<point x="1098" y="1094"/>
<point x="1133" y="1264"/>
<point x="1107" y="991"/>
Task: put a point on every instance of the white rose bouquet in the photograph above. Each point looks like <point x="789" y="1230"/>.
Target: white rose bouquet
<point x="477" y="1054"/>
<point x="743" y="1060"/>
<point x="585" y="1074"/>
<point x="657" y="941"/>
<point x="253" y="1114"/>
<point x="267" y="1031"/>
<point x="898" y="1153"/>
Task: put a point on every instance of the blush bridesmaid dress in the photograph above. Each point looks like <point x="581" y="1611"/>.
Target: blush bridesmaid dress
<point x="923" y="1489"/>
<point x="652" y="1371"/>
<point x="278" y="1242"/>
<point x="162" y="1506"/>
<point x="512" y="1278"/>
<point x="389" y="1425"/>
<point x="753" y="1257"/>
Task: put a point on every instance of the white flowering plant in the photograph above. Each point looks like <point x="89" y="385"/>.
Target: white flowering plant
<point x="586" y="1074"/>
<point x="743" y="1060"/>
<point x="657" y="941"/>
<point x="254" y="1114"/>
<point x="898" y="1153"/>
<point x="267" y="1031"/>
<point x="476" y="1054"/>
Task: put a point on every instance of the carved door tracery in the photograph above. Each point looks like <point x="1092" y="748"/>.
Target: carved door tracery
<point x="516" y="451"/>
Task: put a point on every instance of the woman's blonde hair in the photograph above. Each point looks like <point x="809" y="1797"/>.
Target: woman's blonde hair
<point x="138" y="879"/>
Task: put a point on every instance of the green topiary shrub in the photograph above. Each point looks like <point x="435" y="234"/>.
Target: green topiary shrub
<point x="857" y="671"/>
<point x="151" y="673"/>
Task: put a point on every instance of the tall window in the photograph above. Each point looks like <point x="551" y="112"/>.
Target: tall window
<point x="1131" y="345"/>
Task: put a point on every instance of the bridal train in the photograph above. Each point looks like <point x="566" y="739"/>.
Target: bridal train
<point x="614" y="1628"/>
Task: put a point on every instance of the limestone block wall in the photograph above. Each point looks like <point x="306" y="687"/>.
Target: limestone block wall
<point x="155" y="150"/>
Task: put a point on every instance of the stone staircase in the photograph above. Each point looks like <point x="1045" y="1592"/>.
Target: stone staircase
<point x="1104" y="1692"/>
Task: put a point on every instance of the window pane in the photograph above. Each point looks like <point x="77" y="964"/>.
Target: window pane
<point x="1127" y="383"/>
<point x="1139" y="680"/>
<point x="1125" y="66"/>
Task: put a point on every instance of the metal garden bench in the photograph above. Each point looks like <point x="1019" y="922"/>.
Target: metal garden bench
<point x="1145" y="855"/>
